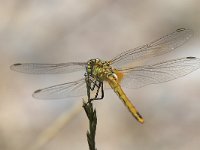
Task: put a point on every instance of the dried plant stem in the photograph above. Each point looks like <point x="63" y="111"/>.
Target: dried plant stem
<point x="50" y="132"/>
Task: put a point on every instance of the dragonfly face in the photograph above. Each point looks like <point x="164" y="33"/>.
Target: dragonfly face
<point x="116" y="72"/>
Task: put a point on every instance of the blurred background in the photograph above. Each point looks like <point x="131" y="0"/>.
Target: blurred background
<point x="50" y="31"/>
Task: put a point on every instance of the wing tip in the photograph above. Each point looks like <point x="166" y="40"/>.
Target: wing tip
<point x="38" y="94"/>
<point x="191" y="57"/>
<point x="194" y="58"/>
<point x="188" y="32"/>
<point x="13" y="67"/>
<point x="180" y="29"/>
<point x="35" y="94"/>
<point x="17" y="64"/>
<point x="183" y="29"/>
<point x="37" y="91"/>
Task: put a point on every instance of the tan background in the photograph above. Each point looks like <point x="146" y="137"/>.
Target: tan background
<point x="50" y="31"/>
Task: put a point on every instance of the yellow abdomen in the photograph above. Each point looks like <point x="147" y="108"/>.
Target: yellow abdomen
<point x="118" y="90"/>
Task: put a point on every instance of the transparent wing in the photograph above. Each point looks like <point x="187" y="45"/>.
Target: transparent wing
<point x="162" y="72"/>
<point x="34" y="68"/>
<point x="158" y="47"/>
<point x="62" y="91"/>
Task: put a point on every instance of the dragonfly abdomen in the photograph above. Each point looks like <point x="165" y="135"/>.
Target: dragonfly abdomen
<point x="118" y="90"/>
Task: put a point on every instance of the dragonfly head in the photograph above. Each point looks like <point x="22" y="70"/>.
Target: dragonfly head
<point x="90" y="65"/>
<point x="92" y="62"/>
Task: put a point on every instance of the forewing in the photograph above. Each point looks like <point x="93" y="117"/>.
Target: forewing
<point x="62" y="91"/>
<point x="162" y="72"/>
<point x="158" y="47"/>
<point x="34" y="68"/>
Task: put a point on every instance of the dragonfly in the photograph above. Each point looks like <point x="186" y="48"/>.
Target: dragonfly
<point x="125" y="70"/>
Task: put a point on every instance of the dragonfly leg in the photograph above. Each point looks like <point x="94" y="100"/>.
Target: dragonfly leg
<point x="93" y="84"/>
<point x="99" y="90"/>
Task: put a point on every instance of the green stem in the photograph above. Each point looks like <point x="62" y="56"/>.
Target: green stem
<point x="91" y="114"/>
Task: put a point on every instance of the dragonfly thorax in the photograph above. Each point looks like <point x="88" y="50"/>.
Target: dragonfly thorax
<point x="99" y="69"/>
